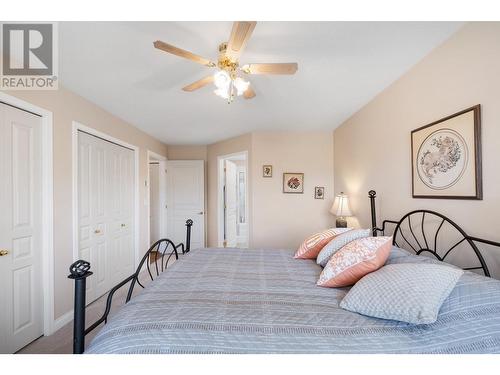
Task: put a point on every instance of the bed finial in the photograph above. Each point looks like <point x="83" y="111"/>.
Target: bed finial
<point x="372" y="194"/>
<point x="79" y="271"/>
<point x="189" y="224"/>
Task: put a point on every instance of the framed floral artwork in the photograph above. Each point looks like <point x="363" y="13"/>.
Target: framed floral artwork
<point x="293" y="183"/>
<point x="267" y="171"/>
<point x="319" y="192"/>
<point x="446" y="157"/>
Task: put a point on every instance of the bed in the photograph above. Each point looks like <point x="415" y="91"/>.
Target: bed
<point x="265" y="301"/>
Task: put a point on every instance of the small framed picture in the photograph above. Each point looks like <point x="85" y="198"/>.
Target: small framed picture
<point x="319" y="192"/>
<point x="293" y="183"/>
<point x="267" y="171"/>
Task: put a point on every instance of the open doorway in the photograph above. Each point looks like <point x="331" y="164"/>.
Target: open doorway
<point x="233" y="200"/>
<point x="157" y="197"/>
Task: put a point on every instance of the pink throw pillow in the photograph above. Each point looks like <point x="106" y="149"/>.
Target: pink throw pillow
<point x="355" y="260"/>
<point x="312" y="245"/>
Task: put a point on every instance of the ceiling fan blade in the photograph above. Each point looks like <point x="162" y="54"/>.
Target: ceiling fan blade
<point x="182" y="53"/>
<point x="241" y="32"/>
<point x="249" y="93"/>
<point x="199" y="84"/>
<point x="279" y="68"/>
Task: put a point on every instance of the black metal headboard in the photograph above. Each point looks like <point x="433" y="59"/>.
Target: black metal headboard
<point x="428" y="234"/>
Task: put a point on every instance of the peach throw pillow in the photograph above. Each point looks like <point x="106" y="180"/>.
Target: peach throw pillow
<point x="355" y="260"/>
<point x="312" y="245"/>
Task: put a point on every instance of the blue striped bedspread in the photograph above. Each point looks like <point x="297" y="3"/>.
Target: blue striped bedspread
<point x="265" y="301"/>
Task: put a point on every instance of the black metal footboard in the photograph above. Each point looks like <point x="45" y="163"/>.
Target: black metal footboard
<point x="160" y="252"/>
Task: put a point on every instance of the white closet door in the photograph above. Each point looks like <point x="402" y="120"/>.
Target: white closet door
<point x="93" y="214"/>
<point x="21" y="304"/>
<point x="231" y="204"/>
<point x="125" y="255"/>
<point x="115" y="193"/>
<point x="105" y="211"/>
<point x="186" y="200"/>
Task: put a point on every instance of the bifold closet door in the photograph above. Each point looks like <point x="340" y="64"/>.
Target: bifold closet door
<point x="92" y="212"/>
<point x="105" y="211"/>
<point x="21" y="303"/>
<point x="121" y="220"/>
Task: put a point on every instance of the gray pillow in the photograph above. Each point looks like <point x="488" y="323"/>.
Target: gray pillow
<point x="409" y="292"/>
<point x="338" y="243"/>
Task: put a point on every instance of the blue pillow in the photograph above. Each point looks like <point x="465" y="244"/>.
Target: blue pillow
<point x="409" y="292"/>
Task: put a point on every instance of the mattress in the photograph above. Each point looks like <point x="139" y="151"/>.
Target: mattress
<point x="265" y="301"/>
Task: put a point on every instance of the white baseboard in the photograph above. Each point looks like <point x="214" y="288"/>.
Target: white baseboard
<point x="62" y="321"/>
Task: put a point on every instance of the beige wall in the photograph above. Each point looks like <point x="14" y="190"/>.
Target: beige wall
<point x="284" y="220"/>
<point x="372" y="148"/>
<point x="67" y="107"/>
<point x="182" y="152"/>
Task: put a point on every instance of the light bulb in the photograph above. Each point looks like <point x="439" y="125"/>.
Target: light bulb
<point x="223" y="93"/>
<point x="222" y="79"/>
<point x="241" y="85"/>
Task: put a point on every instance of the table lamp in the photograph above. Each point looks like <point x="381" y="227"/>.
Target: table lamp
<point x="341" y="209"/>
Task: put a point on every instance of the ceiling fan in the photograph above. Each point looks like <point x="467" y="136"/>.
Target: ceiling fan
<point x="228" y="79"/>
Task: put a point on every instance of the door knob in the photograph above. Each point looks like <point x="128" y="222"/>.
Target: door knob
<point x="97" y="231"/>
<point x="200" y="213"/>
<point x="123" y="225"/>
<point x="3" y="252"/>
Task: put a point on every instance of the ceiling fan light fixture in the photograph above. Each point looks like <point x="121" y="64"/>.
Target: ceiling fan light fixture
<point x="223" y="93"/>
<point x="241" y="85"/>
<point x="222" y="79"/>
<point x="245" y="69"/>
<point x="228" y="84"/>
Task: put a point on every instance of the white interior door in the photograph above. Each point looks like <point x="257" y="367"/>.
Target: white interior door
<point x="162" y="204"/>
<point x="154" y="202"/>
<point x="242" y="208"/>
<point x="231" y="203"/>
<point x="105" y="211"/>
<point x="21" y="304"/>
<point x="186" y="200"/>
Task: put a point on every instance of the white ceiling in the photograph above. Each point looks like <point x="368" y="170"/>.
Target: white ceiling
<point x="342" y="66"/>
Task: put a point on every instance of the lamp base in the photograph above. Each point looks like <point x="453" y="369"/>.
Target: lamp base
<point x="341" y="222"/>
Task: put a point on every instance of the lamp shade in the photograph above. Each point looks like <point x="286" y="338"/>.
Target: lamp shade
<point x="341" y="206"/>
